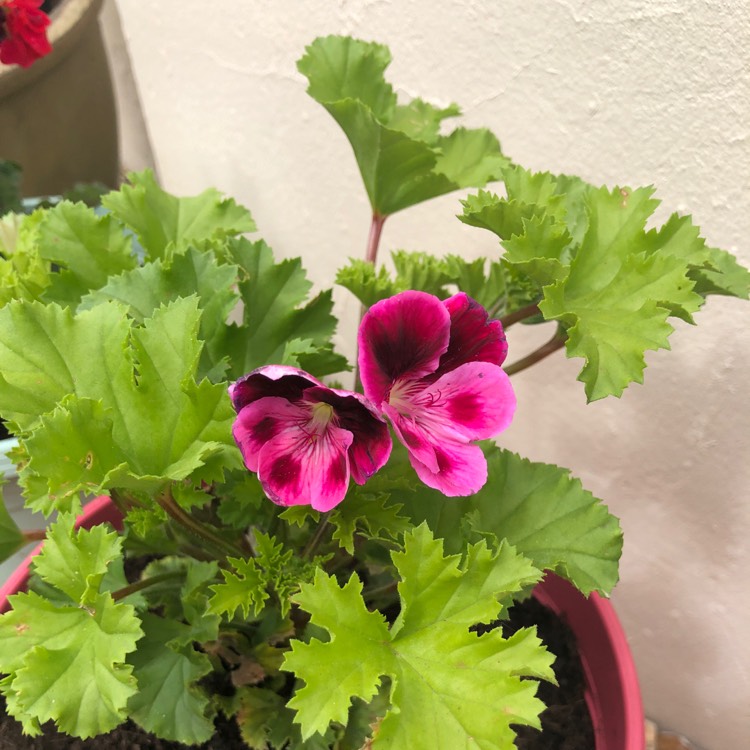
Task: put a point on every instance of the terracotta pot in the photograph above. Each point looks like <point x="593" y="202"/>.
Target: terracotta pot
<point x="613" y="694"/>
<point x="57" y="117"/>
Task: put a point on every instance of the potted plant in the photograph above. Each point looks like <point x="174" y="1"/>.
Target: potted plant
<point x="315" y="565"/>
<point x="54" y="70"/>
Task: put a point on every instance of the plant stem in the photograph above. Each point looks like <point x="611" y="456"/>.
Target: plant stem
<point x="167" y="502"/>
<point x="517" y="315"/>
<point x="34" y="535"/>
<point x="555" y="343"/>
<point x="316" y="538"/>
<point x="371" y="255"/>
<point x="144" y="584"/>
<point x="373" y="241"/>
<point x="388" y="588"/>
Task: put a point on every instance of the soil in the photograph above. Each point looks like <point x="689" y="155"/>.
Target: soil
<point x="566" y="724"/>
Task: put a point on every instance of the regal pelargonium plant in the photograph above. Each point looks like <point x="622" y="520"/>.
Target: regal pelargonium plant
<point x="307" y="558"/>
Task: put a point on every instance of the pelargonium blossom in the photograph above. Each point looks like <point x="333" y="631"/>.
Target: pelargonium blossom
<point x="433" y="368"/>
<point x="306" y="440"/>
<point x="23" y="32"/>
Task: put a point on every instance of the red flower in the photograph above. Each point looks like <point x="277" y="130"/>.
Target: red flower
<point x="23" y="32"/>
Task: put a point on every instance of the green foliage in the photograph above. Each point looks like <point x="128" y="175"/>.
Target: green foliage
<point x="135" y="420"/>
<point x="273" y="570"/>
<point x="165" y="224"/>
<point x="169" y="702"/>
<point x="11" y="537"/>
<point x="10" y="187"/>
<point x="469" y="685"/>
<point x="88" y="250"/>
<point x="609" y="282"/>
<point x="485" y="282"/>
<point x="66" y="662"/>
<point x="538" y="508"/>
<point x="401" y="155"/>
<point x="277" y="312"/>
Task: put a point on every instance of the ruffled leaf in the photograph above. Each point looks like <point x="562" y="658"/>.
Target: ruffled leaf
<point x="401" y="156"/>
<point x="277" y="312"/>
<point x="538" y="508"/>
<point x="470" y="685"/>
<point x="163" y="222"/>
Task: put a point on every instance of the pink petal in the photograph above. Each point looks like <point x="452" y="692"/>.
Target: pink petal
<point x="260" y="421"/>
<point x="474" y="337"/>
<point x="296" y="468"/>
<point x="401" y="337"/>
<point x="475" y="400"/>
<point x="461" y="469"/>
<point x="371" y="446"/>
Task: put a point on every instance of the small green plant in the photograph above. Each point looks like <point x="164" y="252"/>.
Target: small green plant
<point x="315" y="558"/>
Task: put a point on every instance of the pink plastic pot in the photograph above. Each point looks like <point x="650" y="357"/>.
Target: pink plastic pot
<point x="613" y="694"/>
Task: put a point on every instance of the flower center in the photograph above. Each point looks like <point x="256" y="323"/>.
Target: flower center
<point x="404" y="396"/>
<point x="320" y="417"/>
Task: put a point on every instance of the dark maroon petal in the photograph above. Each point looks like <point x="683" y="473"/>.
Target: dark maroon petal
<point x="371" y="446"/>
<point x="401" y="337"/>
<point x="474" y="337"/>
<point x="270" y="380"/>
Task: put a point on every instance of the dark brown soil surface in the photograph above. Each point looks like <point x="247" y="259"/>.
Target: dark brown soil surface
<point x="566" y="722"/>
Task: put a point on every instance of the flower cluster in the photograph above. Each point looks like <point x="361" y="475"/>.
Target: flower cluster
<point x="431" y="367"/>
<point x="23" y="32"/>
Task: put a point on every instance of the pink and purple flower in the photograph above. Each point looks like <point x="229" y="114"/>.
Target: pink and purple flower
<point x="433" y="368"/>
<point x="306" y="440"/>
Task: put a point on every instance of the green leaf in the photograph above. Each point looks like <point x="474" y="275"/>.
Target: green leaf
<point x="611" y="284"/>
<point x="147" y="288"/>
<point x="616" y="297"/>
<point x="538" y="508"/>
<point x="276" y="310"/>
<point x="401" y="157"/>
<point x="425" y="273"/>
<point x="247" y="587"/>
<point x="23" y="273"/>
<point x="265" y="721"/>
<point x="11" y="537"/>
<point x="366" y="283"/>
<point x="370" y="514"/>
<point x="163" y="222"/>
<point x="169" y="702"/>
<point x="67" y="664"/>
<point x="164" y="426"/>
<point x="76" y="561"/>
<point x="88" y="248"/>
<point x="721" y="274"/>
<point x="469" y="685"/>
<point x="244" y="589"/>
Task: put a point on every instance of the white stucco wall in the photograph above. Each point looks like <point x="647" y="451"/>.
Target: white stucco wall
<point x="619" y="91"/>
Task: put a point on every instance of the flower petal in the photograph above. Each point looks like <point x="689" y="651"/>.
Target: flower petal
<point x="476" y="400"/>
<point x="296" y="468"/>
<point x="461" y="469"/>
<point x="260" y="421"/>
<point x="371" y="445"/>
<point x="474" y="337"/>
<point x="401" y="337"/>
<point x="270" y="380"/>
